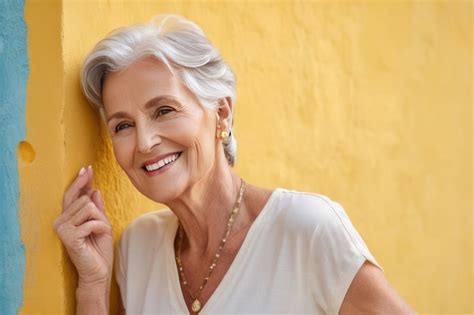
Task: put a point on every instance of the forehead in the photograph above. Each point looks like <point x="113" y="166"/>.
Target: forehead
<point x="143" y="80"/>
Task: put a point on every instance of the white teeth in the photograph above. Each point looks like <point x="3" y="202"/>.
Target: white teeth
<point x="161" y="163"/>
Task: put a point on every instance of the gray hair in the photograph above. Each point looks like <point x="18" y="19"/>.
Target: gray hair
<point x="178" y="43"/>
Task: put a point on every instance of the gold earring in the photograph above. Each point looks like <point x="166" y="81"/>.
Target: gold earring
<point x="224" y="134"/>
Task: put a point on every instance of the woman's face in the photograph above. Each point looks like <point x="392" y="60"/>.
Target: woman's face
<point x="162" y="136"/>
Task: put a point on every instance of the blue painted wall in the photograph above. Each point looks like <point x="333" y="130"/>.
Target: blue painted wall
<point x="13" y="79"/>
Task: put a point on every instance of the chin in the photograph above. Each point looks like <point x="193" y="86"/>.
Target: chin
<point x="160" y="197"/>
<point x="161" y="194"/>
<point x="155" y="189"/>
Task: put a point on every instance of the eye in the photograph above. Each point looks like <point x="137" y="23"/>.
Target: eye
<point x="163" y="111"/>
<point x="121" y="126"/>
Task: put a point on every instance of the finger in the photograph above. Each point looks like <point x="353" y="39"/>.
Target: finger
<point x="75" y="188"/>
<point x="87" y="213"/>
<point x="97" y="199"/>
<point x="71" y="210"/>
<point x="90" y="176"/>
<point x="94" y="226"/>
<point x="63" y="232"/>
<point x="88" y="190"/>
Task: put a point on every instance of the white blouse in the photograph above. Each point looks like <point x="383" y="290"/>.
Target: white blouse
<point x="300" y="256"/>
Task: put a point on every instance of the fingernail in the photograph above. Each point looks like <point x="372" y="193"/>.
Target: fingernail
<point x="89" y="167"/>
<point x="82" y="171"/>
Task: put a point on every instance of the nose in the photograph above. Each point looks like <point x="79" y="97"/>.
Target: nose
<point x="147" y="137"/>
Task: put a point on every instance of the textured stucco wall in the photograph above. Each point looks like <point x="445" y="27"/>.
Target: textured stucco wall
<point x="13" y="76"/>
<point x="368" y="103"/>
<point x="42" y="177"/>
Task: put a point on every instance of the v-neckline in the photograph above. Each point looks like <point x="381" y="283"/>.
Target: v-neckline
<point x="173" y="277"/>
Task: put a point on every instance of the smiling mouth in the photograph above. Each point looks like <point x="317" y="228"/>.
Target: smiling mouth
<point x="161" y="164"/>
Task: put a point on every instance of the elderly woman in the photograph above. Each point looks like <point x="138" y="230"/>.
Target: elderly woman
<point x="223" y="245"/>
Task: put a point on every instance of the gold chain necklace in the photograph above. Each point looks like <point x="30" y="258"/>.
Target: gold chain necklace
<point x="196" y="306"/>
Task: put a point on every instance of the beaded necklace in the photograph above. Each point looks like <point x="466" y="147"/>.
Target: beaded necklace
<point x="196" y="306"/>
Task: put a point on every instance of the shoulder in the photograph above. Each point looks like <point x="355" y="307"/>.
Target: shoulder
<point x="136" y="251"/>
<point x="323" y="223"/>
<point x="335" y="249"/>
<point x="308" y="211"/>
<point x="152" y="219"/>
<point x="151" y="226"/>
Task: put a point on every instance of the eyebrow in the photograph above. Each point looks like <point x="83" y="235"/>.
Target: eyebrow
<point x="149" y="104"/>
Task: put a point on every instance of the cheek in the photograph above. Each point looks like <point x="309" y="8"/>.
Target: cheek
<point x="203" y="145"/>
<point x="184" y="132"/>
<point x="197" y="135"/>
<point x="123" y="151"/>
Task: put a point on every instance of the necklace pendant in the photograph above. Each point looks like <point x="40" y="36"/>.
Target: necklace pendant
<point x="196" y="306"/>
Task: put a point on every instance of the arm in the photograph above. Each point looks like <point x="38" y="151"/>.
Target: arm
<point x="370" y="293"/>
<point x="94" y="300"/>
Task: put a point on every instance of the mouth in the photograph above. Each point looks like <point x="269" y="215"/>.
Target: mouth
<point x="161" y="165"/>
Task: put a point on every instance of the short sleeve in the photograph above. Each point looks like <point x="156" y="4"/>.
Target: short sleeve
<point x="337" y="253"/>
<point x="120" y="271"/>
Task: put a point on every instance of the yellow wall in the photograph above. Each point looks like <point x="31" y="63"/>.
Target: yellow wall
<point x="368" y="103"/>
<point x="42" y="178"/>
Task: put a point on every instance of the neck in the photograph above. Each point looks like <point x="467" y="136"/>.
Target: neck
<point x="203" y="210"/>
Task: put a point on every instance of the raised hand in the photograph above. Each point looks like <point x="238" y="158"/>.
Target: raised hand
<point x="86" y="232"/>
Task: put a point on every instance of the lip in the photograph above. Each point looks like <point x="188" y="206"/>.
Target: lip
<point x="159" y="157"/>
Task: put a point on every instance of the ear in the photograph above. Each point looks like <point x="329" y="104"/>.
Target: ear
<point x="225" y="113"/>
